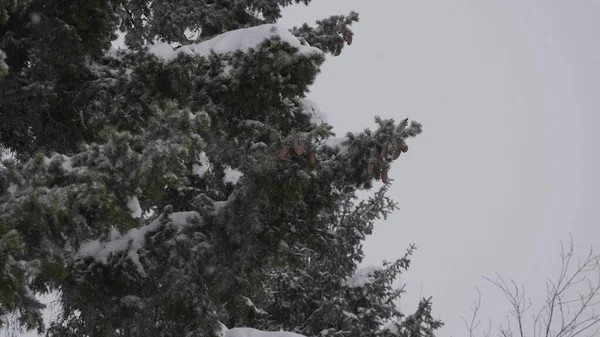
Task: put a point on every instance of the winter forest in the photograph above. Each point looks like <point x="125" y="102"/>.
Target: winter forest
<point x="183" y="184"/>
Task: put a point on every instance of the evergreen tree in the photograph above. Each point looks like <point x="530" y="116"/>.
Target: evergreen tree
<point x="166" y="188"/>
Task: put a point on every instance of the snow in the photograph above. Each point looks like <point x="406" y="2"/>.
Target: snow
<point x="251" y="123"/>
<point x="134" y="238"/>
<point x="336" y="142"/>
<point x="132" y="301"/>
<point x="362" y="276"/>
<point x="223" y="329"/>
<point x="134" y="207"/>
<point x="180" y="218"/>
<point x="66" y="163"/>
<point x="36" y="18"/>
<point x="200" y="170"/>
<point x="391" y="327"/>
<point x="312" y="109"/>
<point x="227" y="68"/>
<point x="251" y="332"/>
<point x="240" y="39"/>
<point x="135" y="258"/>
<point x="12" y="189"/>
<point x="349" y="314"/>
<point x="325" y="332"/>
<point x="231" y="175"/>
<point x="259" y="145"/>
<point x="192" y="117"/>
<point x="254" y="307"/>
<point x="219" y="205"/>
<point x="6" y="154"/>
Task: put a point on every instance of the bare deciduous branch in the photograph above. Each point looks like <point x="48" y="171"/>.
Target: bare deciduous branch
<point x="473" y="324"/>
<point x="569" y="310"/>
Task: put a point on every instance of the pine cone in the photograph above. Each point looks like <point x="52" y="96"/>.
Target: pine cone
<point x="284" y="152"/>
<point x="396" y="148"/>
<point x="348" y="37"/>
<point x="370" y="170"/>
<point x="312" y="157"/>
<point x="299" y="148"/>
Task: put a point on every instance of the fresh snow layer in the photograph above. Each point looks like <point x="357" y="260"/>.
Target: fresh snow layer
<point x="200" y="170"/>
<point x="254" y="307"/>
<point x="134" y="238"/>
<point x="250" y="332"/>
<point x="12" y="189"/>
<point x="231" y="175"/>
<point x="337" y="142"/>
<point x="349" y="314"/>
<point x="240" y="39"/>
<point x="219" y="205"/>
<point x="391" y="327"/>
<point x="6" y="154"/>
<point x="316" y="115"/>
<point x="65" y="161"/>
<point x="180" y="218"/>
<point x="363" y="276"/>
<point x="134" y="207"/>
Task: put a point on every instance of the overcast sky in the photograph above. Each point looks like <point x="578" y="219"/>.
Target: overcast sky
<point x="508" y="93"/>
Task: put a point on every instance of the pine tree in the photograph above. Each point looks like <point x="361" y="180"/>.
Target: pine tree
<point x="184" y="183"/>
<point x="324" y="294"/>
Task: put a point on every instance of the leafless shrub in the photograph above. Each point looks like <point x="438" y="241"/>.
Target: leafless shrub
<point x="569" y="310"/>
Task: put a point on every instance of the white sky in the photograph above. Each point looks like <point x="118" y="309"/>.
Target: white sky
<point x="508" y="93"/>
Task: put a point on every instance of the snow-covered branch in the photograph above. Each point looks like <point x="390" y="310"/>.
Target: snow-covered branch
<point x="236" y="40"/>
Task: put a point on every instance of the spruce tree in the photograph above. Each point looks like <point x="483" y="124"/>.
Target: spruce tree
<point x="184" y="183"/>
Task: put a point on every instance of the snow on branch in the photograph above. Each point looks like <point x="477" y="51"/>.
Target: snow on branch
<point x="250" y="332"/>
<point x="240" y="39"/>
<point x="363" y="276"/>
<point x="312" y="109"/>
<point x="133" y="240"/>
